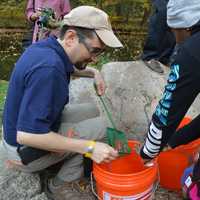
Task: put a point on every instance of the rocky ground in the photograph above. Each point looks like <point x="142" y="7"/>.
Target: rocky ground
<point x="15" y="186"/>
<point x="163" y="194"/>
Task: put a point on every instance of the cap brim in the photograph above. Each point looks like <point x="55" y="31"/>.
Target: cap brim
<point x="109" y="38"/>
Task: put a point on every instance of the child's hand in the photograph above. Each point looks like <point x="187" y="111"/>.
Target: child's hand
<point x="148" y="162"/>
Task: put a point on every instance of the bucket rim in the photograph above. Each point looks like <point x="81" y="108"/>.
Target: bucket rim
<point x="146" y="170"/>
<point x="189" y="146"/>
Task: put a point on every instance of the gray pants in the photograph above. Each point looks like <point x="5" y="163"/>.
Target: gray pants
<point x="85" y="121"/>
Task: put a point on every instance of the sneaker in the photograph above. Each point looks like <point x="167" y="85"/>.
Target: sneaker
<point x="154" y="65"/>
<point x="77" y="190"/>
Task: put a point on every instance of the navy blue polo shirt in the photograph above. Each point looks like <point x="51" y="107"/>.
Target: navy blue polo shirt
<point x="38" y="90"/>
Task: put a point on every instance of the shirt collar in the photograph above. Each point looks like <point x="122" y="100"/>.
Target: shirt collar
<point x="69" y="67"/>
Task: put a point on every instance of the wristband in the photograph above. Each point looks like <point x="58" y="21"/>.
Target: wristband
<point x="89" y="149"/>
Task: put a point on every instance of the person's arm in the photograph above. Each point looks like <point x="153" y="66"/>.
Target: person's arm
<point x="31" y="13"/>
<point x="57" y="143"/>
<point x="90" y="72"/>
<point x="66" y="7"/>
<point x="186" y="134"/>
<point x="29" y="9"/>
<point x="180" y="92"/>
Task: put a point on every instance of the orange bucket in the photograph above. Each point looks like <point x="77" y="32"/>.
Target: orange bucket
<point x="125" y="178"/>
<point x="172" y="163"/>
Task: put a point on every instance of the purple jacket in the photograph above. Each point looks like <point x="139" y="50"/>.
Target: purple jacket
<point x="61" y="8"/>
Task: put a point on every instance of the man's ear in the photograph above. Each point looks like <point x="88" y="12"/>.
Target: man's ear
<point x="70" y="37"/>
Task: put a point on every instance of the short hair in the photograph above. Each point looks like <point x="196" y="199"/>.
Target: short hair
<point x="88" y="33"/>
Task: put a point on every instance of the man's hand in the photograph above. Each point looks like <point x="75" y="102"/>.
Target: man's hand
<point x="99" y="83"/>
<point x="103" y="153"/>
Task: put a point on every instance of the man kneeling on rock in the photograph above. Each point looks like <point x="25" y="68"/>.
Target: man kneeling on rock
<point x="38" y="129"/>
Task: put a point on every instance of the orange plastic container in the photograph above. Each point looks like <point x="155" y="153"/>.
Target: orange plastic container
<point x="125" y="178"/>
<point x="172" y="163"/>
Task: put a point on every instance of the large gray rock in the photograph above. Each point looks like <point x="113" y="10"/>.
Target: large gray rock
<point x="133" y="91"/>
<point x="81" y="90"/>
<point x="15" y="185"/>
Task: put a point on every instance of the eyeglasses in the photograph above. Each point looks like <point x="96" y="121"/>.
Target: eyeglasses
<point x="93" y="51"/>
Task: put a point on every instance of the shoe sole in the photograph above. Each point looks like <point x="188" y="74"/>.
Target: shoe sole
<point x="154" y="67"/>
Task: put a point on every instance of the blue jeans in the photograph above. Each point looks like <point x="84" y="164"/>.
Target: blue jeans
<point x="160" y="40"/>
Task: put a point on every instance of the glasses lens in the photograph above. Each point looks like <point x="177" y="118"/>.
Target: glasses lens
<point x="94" y="51"/>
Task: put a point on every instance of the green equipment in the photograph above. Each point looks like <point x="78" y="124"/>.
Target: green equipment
<point x="47" y="14"/>
<point x="46" y="22"/>
<point x="115" y="138"/>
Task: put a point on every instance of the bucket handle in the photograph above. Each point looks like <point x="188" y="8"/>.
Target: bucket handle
<point x="92" y="186"/>
<point x="156" y="184"/>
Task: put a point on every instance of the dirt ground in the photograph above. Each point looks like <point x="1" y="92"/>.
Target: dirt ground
<point x="163" y="194"/>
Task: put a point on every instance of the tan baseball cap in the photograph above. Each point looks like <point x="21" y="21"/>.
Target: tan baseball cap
<point x="93" y="18"/>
